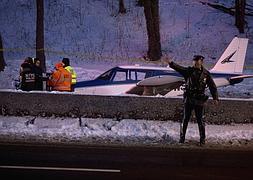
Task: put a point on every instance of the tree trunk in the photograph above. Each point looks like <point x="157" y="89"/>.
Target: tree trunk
<point x="2" y="62"/>
<point x="40" y="52"/>
<point x="140" y="3"/>
<point x="240" y="14"/>
<point x="151" y="11"/>
<point x="122" y="9"/>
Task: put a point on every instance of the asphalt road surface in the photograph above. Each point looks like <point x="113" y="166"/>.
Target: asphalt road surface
<point x="37" y="161"/>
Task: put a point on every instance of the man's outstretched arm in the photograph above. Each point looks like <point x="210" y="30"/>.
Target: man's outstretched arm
<point x="181" y="69"/>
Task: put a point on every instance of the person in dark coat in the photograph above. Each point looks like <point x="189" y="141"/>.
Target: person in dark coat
<point x="27" y="75"/>
<point x="197" y="78"/>
<point x="38" y="75"/>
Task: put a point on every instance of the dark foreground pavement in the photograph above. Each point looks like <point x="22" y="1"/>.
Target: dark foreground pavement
<point x="34" y="161"/>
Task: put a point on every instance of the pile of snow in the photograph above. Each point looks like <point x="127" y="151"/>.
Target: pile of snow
<point x="126" y="131"/>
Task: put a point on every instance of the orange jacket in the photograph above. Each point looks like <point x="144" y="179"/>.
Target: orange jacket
<point x="60" y="79"/>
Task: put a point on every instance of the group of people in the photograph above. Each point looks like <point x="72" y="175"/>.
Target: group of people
<point x="63" y="78"/>
<point x="31" y="75"/>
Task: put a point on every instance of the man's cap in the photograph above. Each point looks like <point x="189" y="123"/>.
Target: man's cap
<point x="198" y="57"/>
<point x="65" y="61"/>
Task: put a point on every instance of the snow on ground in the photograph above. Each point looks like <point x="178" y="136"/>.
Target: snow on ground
<point x="110" y="131"/>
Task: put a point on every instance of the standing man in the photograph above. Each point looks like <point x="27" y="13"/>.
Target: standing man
<point x="197" y="78"/>
<point x="60" y="79"/>
<point x="38" y="75"/>
<point x="70" y="69"/>
<point x="27" y="75"/>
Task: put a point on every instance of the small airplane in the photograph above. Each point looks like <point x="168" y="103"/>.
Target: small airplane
<point x="141" y="80"/>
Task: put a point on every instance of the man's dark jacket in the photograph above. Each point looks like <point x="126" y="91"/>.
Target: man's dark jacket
<point x="38" y="78"/>
<point x="196" y="82"/>
<point x="27" y="77"/>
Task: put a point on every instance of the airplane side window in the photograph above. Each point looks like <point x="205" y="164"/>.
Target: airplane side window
<point x="136" y="75"/>
<point x="120" y="76"/>
<point x="131" y="75"/>
<point x="149" y="74"/>
<point x="140" y="75"/>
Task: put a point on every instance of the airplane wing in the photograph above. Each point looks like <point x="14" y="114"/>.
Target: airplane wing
<point x="242" y="77"/>
<point x="165" y="83"/>
<point x="223" y="81"/>
<point x="157" y="85"/>
<point x="238" y="79"/>
<point x="160" y="80"/>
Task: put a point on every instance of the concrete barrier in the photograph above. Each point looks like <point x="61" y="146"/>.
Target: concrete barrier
<point x="121" y="107"/>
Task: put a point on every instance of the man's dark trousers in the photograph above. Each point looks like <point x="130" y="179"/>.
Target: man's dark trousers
<point x="188" y="108"/>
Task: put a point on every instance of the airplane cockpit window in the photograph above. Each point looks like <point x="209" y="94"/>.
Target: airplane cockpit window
<point x="106" y="76"/>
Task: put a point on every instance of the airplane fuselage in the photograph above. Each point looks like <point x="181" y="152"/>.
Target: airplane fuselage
<point x="119" y="80"/>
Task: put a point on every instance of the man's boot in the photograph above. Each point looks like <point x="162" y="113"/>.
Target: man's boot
<point x="182" y="133"/>
<point x="202" y="142"/>
<point x="181" y="140"/>
<point x="202" y="135"/>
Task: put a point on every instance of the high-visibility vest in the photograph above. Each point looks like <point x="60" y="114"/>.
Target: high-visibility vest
<point x="73" y="74"/>
<point x="61" y="80"/>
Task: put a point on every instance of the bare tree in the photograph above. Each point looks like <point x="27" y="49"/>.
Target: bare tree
<point x="40" y="52"/>
<point x="240" y="10"/>
<point x="151" y="11"/>
<point x="122" y="9"/>
<point x="240" y="14"/>
<point x="2" y="62"/>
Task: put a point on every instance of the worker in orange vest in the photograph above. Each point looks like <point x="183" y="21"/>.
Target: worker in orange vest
<point x="60" y="79"/>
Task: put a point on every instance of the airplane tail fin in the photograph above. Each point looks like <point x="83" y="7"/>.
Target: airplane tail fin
<point x="232" y="60"/>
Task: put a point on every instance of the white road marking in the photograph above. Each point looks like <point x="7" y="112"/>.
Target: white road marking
<point x="61" y="169"/>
